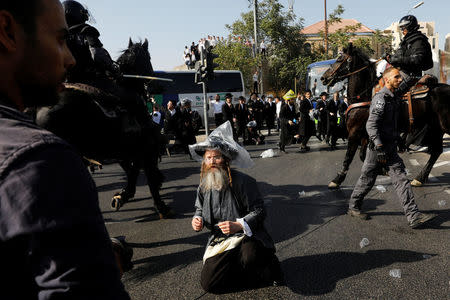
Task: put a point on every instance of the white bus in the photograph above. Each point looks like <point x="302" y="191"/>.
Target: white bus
<point x="183" y="86"/>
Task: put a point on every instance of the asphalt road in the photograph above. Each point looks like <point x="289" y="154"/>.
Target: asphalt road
<point x="317" y="244"/>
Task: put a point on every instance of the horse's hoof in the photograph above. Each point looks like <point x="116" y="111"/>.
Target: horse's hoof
<point x="333" y="185"/>
<point x="116" y="202"/>
<point x="416" y="182"/>
<point x="170" y="214"/>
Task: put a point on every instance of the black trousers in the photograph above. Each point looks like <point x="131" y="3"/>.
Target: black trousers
<point x="250" y="264"/>
<point x="218" y="118"/>
<point x="241" y="129"/>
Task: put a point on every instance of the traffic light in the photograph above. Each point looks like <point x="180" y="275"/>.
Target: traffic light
<point x="200" y="72"/>
<point x="210" y="65"/>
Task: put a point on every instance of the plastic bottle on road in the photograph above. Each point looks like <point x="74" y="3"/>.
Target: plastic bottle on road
<point x="364" y="242"/>
<point x="381" y="188"/>
<point x="396" y="273"/>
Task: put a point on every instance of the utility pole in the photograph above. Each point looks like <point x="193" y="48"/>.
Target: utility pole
<point x="326" y="30"/>
<point x="255" y="27"/>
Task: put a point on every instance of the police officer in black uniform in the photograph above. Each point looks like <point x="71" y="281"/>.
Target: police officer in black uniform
<point x="413" y="56"/>
<point x="94" y="64"/>
<point x="382" y="153"/>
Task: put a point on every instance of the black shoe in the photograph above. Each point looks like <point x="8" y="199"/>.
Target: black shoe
<point x="421" y="219"/>
<point x="358" y="214"/>
<point x="318" y="137"/>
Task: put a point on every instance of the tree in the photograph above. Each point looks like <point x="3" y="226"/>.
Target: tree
<point x="343" y="36"/>
<point x="286" y="57"/>
<point x="236" y="56"/>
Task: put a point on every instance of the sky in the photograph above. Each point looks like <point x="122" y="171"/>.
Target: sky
<point x="169" y="25"/>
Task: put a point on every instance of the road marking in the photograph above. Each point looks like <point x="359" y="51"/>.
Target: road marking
<point x="447" y="191"/>
<point x="442" y="163"/>
<point x="432" y="178"/>
<point x="414" y="162"/>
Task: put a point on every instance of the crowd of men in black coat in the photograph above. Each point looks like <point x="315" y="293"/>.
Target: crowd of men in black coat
<point x="304" y="117"/>
<point x="296" y="119"/>
<point x="178" y="122"/>
<point x="246" y="117"/>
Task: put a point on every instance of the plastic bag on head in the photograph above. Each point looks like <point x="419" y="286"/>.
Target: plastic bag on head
<point x="222" y="139"/>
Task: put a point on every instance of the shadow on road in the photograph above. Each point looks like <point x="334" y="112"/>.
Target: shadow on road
<point x="318" y="274"/>
<point x="149" y="267"/>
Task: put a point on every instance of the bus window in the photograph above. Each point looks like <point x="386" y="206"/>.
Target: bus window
<point x="315" y="72"/>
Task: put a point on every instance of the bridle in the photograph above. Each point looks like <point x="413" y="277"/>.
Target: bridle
<point x="346" y="57"/>
<point x="339" y="78"/>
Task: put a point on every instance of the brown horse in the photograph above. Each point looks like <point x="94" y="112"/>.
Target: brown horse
<point x="430" y="114"/>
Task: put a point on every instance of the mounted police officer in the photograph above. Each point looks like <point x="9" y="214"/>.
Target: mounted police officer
<point x="414" y="54"/>
<point x="94" y="64"/>
<point x="382" y="153"/>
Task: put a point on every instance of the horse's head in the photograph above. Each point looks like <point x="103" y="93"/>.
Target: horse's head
<point x="346" y="64"/>
<point x="135" y="60"/>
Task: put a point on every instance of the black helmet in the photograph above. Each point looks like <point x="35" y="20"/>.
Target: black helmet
<point x="75" y="13"/>
<point x="409" y="22"/>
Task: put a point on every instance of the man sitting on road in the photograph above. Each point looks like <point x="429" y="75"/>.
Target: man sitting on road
<point x="240" y="252"/>
<point x="382" y="153"/>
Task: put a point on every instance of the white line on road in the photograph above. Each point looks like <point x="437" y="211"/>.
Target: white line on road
<point x="442" y="163"/>
<point x="414" y="162"/>
<point x="447" y="191"/>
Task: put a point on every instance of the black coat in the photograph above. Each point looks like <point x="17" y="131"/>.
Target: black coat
<point x="172" y="123"/>
<point x="269" y="114"/>
<point x="332" y="108"/>
<point x="414" y="54"/>
<point x="306" y="125"/>
<point x="229" y="112"/>
<point x="322" y="115"/>
<point x="186" y="128"/>
<point x="287" y="131"/>
<point x="258" y="111"/>
<point x="241" y="114"/>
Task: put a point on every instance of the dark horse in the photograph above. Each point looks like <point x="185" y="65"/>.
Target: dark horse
<point x="113" y="123"/>
<point x="431" y="113"/>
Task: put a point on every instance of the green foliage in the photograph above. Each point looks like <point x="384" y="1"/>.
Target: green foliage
<point x="286" y="58"/>
<point x="342" y="37"/>
<point x="236" y="56"/>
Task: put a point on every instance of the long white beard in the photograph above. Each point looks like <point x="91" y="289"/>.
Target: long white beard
<point x="215" y="179"/>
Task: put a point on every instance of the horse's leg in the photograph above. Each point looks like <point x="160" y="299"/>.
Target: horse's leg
<point x="352" y="146"/>
<point x="131" y="169"/>
<point x="363" y="150"/>
<point x="435" y="150"/>
<point x="154" y="181"/>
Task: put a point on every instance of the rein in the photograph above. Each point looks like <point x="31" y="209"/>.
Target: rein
<point x="356" y="71"/>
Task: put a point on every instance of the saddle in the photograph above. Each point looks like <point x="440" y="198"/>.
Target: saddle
<point x="422" y="87"/>
<point x="111" y="106"/>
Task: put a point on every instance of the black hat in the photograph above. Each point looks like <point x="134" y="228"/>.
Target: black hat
<point x="323" y="94"/>
<point x="228" y="95"/>
<point x="242" y="98"/>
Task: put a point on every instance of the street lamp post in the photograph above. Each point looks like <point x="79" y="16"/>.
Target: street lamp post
<point x="326" y="30"/>
<point x="255" y="23"/>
